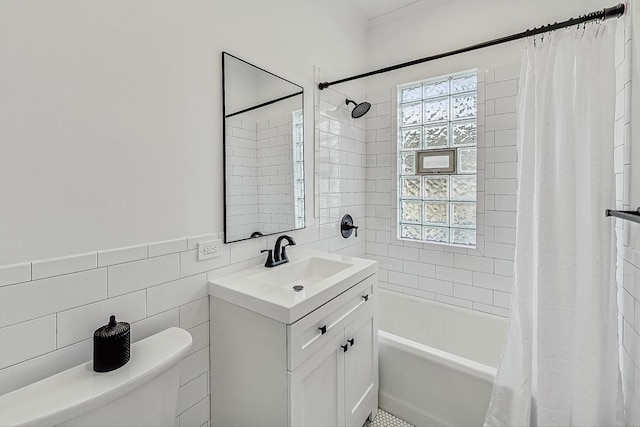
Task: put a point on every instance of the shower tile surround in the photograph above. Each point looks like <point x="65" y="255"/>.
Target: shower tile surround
<point x="628" y="259"/>
<point x="480" y="278"/>
<point x="340" y="153"/>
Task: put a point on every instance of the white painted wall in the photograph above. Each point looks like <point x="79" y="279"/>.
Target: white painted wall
<point x="427" y="28"/>
<point x="110" y="113"/>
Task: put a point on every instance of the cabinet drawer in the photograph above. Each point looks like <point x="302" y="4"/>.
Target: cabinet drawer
<point x="315" y="329"/>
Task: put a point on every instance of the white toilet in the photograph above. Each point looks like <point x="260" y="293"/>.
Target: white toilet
<point x="144" y="392"/>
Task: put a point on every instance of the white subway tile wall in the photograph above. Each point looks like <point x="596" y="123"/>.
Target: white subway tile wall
<point x="167" y="247"/>
<point x="628" y="259"/>
<point x="241" y="170"/>
<point x="27" y="339"/>
<point x="340" y="150"/>
<point x="477" y="278"/>
<point x="260" y="176"/>
<point x="122" y="255"/>
<point x="77" y="324"/>
<point x="30" y="300"/>
<point x="50" y="322"/>
<point x="176" y="293"/>
<point x="17" y="273"/>
<point x="60" y="266"/>
<point x="275" y="175"/>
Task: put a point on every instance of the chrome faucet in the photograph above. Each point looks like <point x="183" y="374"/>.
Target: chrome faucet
<point x="278" y="255"/>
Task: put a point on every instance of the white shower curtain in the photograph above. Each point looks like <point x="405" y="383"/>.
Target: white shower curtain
<point x="560" y="363"/>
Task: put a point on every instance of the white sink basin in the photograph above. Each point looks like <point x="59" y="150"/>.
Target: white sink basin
<point x="305" y="272"/>
<point x="290" y="291"/>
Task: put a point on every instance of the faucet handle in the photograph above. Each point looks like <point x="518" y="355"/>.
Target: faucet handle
<point x="269" y="262"/>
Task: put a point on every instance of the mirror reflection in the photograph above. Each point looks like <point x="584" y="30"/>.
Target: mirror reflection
<point x="264" y="153"/>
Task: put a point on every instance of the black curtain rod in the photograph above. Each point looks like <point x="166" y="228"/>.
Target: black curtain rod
<point x="610" y="12"/>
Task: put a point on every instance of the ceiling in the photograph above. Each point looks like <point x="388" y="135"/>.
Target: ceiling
<point x="372" y="9"/>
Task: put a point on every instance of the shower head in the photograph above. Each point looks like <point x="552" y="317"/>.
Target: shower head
<point x="360" y="109"/>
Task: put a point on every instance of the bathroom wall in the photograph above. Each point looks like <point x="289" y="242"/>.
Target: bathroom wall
<point x="111" y="113"/>
<point x="634" y="180"/>
<point x="480" y="279"/>
<point x="49" y="309"/>
<point x="110" y="128"/>
<point x="341" y="155"/>
<point x="111" y="137"/>
<point x="410" y="34"/>
<point x="628" y="259"/>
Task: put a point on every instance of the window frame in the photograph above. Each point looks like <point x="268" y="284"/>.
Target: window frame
<point x="446" y="126"/>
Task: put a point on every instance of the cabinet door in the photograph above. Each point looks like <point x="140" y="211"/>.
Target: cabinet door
<point x="316" y="388"/>
<point x="361" y="368"/>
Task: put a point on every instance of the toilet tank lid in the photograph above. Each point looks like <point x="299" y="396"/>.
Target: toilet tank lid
<point x="77" y="390"/>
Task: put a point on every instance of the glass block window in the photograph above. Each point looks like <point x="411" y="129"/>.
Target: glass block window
<point x="298" y="167"/>
<point x="435" y="114"/>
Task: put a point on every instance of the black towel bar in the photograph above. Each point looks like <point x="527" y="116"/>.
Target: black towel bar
<point x="633" y="216"/>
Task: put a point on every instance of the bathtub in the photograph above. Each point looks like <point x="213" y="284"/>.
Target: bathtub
<point x="437" y="361"/>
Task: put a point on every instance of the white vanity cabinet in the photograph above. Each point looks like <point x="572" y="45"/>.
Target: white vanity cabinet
<point x="338" y="384"/>
<point x="321" y="370"/>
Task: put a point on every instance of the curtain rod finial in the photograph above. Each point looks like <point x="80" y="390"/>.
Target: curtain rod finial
<point x="614" y="11"/>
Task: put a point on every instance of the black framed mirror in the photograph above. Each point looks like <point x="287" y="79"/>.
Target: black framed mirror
<point x="263" y="151"/>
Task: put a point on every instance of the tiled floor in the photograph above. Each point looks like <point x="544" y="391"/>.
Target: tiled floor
<point x="385" y="419"/>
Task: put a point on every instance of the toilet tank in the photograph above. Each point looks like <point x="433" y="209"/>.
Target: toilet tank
<point x="144" y="392"/>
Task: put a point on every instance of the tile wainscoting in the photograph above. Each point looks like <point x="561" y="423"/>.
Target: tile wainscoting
<point x="49" y="309"/>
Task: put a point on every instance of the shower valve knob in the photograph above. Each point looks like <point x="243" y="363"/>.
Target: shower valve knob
<point x="347" y="227"/>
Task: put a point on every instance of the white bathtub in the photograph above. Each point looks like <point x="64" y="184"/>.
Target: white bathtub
<point x="437" y="361"/>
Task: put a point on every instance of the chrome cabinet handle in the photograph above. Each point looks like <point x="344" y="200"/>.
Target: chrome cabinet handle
<point x="345" y="347"/>
<point x="351" y="341"/>
<point x="366" y="297"/>
<point x="323" y="329"/>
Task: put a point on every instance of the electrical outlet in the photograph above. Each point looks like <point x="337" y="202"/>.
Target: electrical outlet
<point x="210" y="249"/>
